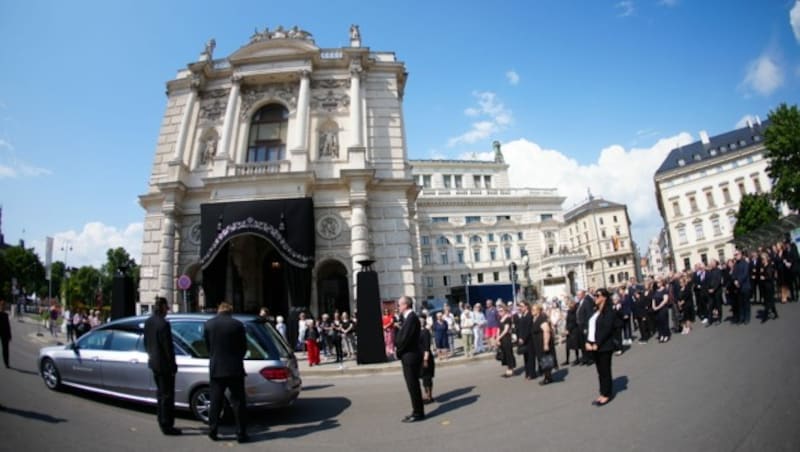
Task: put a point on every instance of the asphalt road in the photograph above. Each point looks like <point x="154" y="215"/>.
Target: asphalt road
<point x="721" y="388"/>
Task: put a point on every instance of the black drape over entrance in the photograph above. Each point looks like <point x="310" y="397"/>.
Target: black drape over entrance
<point x="287" y="224"/>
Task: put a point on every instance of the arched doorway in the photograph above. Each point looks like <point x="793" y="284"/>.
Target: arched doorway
<point x="332" y="288"/>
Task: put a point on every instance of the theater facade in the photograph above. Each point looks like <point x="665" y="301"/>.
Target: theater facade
<point x="282" y="166"/>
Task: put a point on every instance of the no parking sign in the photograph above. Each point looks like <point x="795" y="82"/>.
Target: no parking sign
<point x="184" y="282"/>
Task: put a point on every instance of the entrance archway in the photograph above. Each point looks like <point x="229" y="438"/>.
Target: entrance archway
<point x="332" y="288"/>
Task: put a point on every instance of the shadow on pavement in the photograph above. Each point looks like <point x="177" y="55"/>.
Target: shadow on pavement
<point x="452" y="405"/>
<point x="23" y="371"/>
<point x="620" y="384"/>
<point x="453" y="394"/>
<point x="560" y="375"/>
<point x="315" y="387"/>
<point x="32" y="415"/>
<point x="306" y="410"/>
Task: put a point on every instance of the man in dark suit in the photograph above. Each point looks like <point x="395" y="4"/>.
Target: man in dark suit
<point x="161" y="360"/>
<point x="713" y="288"/>
<point x="226" y="342"/>
<point x="408" y="350"/>
<point x="5" y="331"/>
<point x="700" y="295"/>
<point x="583" y="314"/>
<point x="741" y="279"/>
<point x="524" y="327"/>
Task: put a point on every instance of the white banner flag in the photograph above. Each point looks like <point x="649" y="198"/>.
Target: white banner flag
<point x="48" y="255"/>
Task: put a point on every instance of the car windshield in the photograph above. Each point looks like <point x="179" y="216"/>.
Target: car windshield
<point x="263" y="342"/>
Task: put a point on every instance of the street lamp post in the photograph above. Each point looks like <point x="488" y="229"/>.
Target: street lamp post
<point x="66" y="247"/>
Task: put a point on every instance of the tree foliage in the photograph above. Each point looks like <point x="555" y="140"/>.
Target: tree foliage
<point x="755" y="210"/>
<point x="23" y="265"/>
<point x="782" y="140"/>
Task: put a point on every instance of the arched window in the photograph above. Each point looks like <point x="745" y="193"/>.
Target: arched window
<point x="267" y="139"/>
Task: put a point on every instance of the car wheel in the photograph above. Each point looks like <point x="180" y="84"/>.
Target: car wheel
<point x="50" y="374"/>
<point x="200" y="403"/>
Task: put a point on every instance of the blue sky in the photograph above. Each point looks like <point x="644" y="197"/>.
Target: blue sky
<point x="583" y="94"/>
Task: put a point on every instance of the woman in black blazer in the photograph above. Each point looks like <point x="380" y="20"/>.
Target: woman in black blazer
<point x="600" y="343"/>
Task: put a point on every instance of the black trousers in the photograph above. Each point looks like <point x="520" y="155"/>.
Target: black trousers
<point x="165" y="394"/>
<point x="701" y="301"/>
<point x="5" y="351"/>
<point x="744" y="305"/>
<point x="602" y="362"/>
<point x="662" y="320"/>
<point x="529" y="357"/>
<point x="412" y="364"/>
<point x="768" y="297"/>
<point x="715" y="304"/>
<point x="644" y="328"/>
<point x="238" y="402"/>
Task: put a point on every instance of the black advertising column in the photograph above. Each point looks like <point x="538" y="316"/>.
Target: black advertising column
<point x="371" y="348"/>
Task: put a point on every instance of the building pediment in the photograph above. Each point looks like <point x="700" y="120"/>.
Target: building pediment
<point x="268" y="46"/>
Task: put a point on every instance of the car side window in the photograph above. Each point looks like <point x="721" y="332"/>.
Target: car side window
<point x="124" y="341"/>
<point x="94" y="340"/>
<point x="189" y="336"/>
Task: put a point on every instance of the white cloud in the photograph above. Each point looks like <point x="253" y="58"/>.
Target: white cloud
<point x="11" y="167"/>
<point x="513" y="77"/>
<point x="794" y="19"/>
<point x="764" y="75"/>
<point x="89" y="246"/>
<point x="494" y="118"/>
<point x="619" y="175"/>
<point x="743" y="122"/>
<point x="626" y="7"/>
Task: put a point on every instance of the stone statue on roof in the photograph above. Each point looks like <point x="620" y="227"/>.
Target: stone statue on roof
<point x="208" y="51"/>
<point x="498" y="154"/>
<point x="355" y="36"/>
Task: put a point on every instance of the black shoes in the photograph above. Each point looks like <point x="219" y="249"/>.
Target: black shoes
<point x="599" y="403"/>
<point x="414" y="418"/>
<point x="212" y="435"/>
<point x="242" y="438"/>
<point x="171" y="431"/>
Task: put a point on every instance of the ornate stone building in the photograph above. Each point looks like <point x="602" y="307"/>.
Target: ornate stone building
<point x="278" y="168"/>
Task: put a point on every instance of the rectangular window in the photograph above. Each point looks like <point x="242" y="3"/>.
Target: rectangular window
<point x="445" y="259"/>
<point x="426" y="181"/>
<point x="503" y="217"/>
<point x="476" y="181"/>
<point x="476" y="256"/>
<point x="440" y="219"/>
<point x="682" y="239"/>
<point x="464" y="279"/>
<point x="460" y="256"/>
<point x="726" y="195"/>
<point x="698" y="231"/>
<point x="693" y="204"/>
<point x="686" y="265"/>
<point x="757" y="184"/>
<point x="710" y="199"/>
<point x="676" y="208"/>
<point x="704" y="258"/>
<point x="496" y="276"/>
<point x="615" y="218"/>
<point x="721" y="254"/>
<point x="480" y="277"/>
<point x="426" y="258"/>
<point x="716" y="226"/>
<point x="491" y="237"/>
<point x="740" y="184"/>
<point x="487" y="181"/>
<point x="429" y="281"/>
<point x="492" y="254"/>
<point x="459" y="238"/>
<point x="519" y="235"/>
<point x="446" y="180"/>
<point x="458" y="181"/>
<point x="425" y="240"/>
<point x="473" y="219"/>
<point x="446" y="280"/>
<point x="508" y="253"/>
<point x="601" y="221"/>
<point x="549" y="216"/>
<point x="603" y="233"/>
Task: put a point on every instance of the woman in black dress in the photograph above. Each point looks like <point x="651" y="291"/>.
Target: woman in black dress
<point x="573" y="334"/>
<point x="428" y="362"/>
<point x="507" y="358"/>
<point x="686" y="305"/>
<point x="642" y="307"/>
<point x="543" y="343"/>
<point x="660" y="306"/>
<point x="766" y="278"/>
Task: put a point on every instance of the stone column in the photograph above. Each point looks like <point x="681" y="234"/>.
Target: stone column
<point x="166" y="258"/>
<point x="356" y="119"/>
<point x="303" y="97"/>
<point x="359" y="231"/>
<point x="230" y="117"/>
<point x="185" y="121"/>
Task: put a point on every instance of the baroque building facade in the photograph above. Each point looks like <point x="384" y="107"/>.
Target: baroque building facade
<point x="699" y="187"/>
<point x="602" y="230"/>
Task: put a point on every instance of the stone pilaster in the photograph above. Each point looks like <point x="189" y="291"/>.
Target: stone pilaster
<point x="356" y="115"/>
<point x="303" y="100"/>
<point x="230" y="117"/>
<point x="180" y="144"/>
<point x="359" y="231"/>
<point x="166" y="259"/>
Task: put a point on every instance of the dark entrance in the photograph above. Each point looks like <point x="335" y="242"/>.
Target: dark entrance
<point x="332" y="288"/>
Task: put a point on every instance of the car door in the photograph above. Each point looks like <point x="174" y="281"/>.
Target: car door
<point x="124" y="365"/>
<point x="82" y="366"/>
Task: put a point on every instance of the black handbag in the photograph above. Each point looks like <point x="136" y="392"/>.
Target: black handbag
<point x="499" y="355"/>
<point x="522" y="349"/>
<point x="546" y="362"/>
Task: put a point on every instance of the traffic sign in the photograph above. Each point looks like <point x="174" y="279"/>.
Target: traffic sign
<point x="184" y="282"/>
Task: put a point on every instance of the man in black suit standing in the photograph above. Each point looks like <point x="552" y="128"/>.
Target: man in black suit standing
<point x="713" y="288"/>
<point x="583" y="314"/>
<point x="5" y="331"/>
<point x="741" y="279"/>
<point x="408" y="350"/>
<point x="226" y="342"/>
<point x="161" y="360"/>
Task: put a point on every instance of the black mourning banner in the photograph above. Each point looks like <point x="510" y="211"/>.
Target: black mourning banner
<point x="287" y="224"/>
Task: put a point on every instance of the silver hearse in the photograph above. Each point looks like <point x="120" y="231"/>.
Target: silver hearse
<point x="111" y="360"/>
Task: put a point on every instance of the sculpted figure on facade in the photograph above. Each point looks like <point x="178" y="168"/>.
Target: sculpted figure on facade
<point x="209" y="148"/>
<point x="208" y="52"/>
<point x="355" y="36"/>
<point x="329" y="141"/>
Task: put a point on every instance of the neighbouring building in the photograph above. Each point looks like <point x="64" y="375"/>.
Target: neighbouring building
<point x="601" y="229"/>
<point x="699" y="187"/>
<point x="473" y="226"/>
<point x="656" y="262"/>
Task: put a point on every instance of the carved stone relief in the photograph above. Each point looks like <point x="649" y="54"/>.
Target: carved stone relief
<point x="213" y="103"/>
<point x="330" y="95"/>
<point x="253" y="94"/>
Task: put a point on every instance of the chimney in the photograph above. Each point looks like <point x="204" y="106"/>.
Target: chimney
<point x="704" y="138"/>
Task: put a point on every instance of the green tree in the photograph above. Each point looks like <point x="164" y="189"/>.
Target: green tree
<point x="116" y="259"/>
<point x="22" y="264"/>
<point x="82" y="286"/>
<point x="782" y="140"/>
<point x="755" y="210"/>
